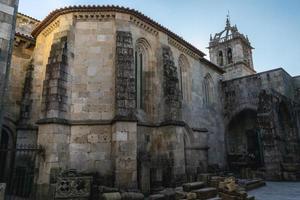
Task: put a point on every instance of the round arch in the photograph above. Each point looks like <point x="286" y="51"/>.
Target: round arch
<point x="243" y="140"/>
<point x="236" y="110"/>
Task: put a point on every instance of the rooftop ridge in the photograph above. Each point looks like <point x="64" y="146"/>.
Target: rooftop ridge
<point x="32" y="18"/>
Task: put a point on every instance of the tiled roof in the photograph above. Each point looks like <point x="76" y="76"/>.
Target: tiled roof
<point x="28" y="37"/>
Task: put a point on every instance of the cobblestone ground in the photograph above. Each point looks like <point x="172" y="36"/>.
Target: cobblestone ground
<point x="278" y="191"/>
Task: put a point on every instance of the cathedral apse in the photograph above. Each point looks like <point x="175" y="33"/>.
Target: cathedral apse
<point x="106" y="94"/>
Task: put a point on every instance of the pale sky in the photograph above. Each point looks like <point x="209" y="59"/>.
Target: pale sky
<point x="273" y="26"/>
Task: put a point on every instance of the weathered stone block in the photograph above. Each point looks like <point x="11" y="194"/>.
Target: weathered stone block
<point x="206" y="193"/>
<point x="156" y="197"/>
<point x="191" y="196"/>
<point x="187" y="187"/>
<point x="105" y="189"/>
<point x="2" y="190"/>
<point x="132" y="196"/>
<point x="169" y="193"/>
<point x="111" y="196"/>
<point x="180" y="195"/>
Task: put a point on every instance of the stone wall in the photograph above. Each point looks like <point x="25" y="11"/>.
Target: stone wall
<point x="270" y="96"/>
<point x="18" y="104"/>
<point x="90" y="122"/>
<point x="25" y="24"/>
<point x="8" y="10"/>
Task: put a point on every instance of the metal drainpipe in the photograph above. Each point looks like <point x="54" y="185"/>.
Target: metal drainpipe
<point x="7" y="70"/>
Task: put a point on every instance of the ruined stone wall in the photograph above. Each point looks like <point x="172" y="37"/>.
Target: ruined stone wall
<point x="269" y="94"/>
<point x="296" y="81"/>
<point x="243" y="92"/>
<point x="161" y="156"/>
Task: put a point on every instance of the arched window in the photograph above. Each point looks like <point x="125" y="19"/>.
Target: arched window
<point x="229" y="55"/>
<point x="208" y="90"/>
<point x="184" y="78"/>
<point x="220" y="58"/>
<point x="141" y="62"/>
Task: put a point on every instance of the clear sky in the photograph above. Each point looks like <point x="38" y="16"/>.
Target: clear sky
<point x="273" y="26"/>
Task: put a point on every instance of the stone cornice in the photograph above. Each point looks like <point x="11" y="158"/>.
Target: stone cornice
<point x="56" y="13"/>
<point x="241" y="62"/>
<point x="26" y="16"/>
<point x="145" y="26"/>
<point x="215" y="43"/>
<point x="26" y="40"/>
<point x="50" y="28"/>
<point x="182" y="48"/>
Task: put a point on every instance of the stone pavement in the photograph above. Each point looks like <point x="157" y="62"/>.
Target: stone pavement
<point x="278" y="191"/>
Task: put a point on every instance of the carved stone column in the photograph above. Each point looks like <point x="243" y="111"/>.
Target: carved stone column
<point x="124" y="130"/>
<point x="55" y="83"/>
<point x="125" y="77"/>
<point x="172" y="93"/>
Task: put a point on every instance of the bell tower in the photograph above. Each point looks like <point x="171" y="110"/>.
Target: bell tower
<point x="232" y="51"/>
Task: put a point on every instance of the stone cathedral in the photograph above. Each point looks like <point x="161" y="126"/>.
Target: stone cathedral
<point x="108" y="92"/>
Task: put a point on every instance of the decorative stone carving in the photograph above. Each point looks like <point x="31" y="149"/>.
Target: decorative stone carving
<point x="27" y="90"/>
<point x="54" y="88"/>
<point x="125" y="76"/>
<point x="71" y="184"/>
<point x="172" y="94"/>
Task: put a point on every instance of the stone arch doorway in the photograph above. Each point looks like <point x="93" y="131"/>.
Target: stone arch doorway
<point x="243" y="138"/>
<point x="6" y="155"/>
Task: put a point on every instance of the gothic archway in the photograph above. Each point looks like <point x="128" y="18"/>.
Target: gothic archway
<point x="184" y="78"/>
<point x="244" y="141"/>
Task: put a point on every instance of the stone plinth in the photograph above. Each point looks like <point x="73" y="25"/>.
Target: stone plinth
<point x="2" y="190"/>
<point x="124" y="148"/>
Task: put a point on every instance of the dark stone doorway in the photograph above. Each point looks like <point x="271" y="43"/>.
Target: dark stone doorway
<point x="4" y="145"/>
<point x="244" y="142"/>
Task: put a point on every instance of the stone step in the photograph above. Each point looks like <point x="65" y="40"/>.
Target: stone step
<point x="187" y="187"/>
<point x="251" y="198"/>
<point x="132" y="196"/>
<point x="169" y="193"/>
<point x="111" y="196"/>
<point x="206" y="193"/>
<point x="180" y="195"/>
<point x="191" y="196"/>
<point x="156" y="197"/>
<point x="225" y="195"/>
<point x="215" y="198"/>
<point x="253" y="184"/>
